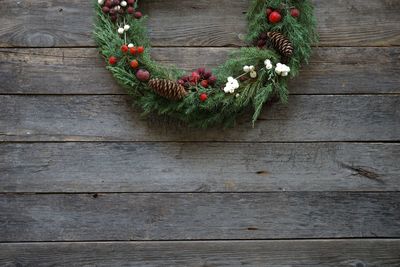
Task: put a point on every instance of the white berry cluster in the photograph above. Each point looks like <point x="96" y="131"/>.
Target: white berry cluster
<point x="280" y="69"/>
<point x="231" y="85"/>
<point x="251" y="69"/>
<point x="126" y="28"/>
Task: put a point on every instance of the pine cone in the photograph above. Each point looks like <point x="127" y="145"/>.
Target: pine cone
<point x="168" y="89"/>
<point x="281" y="43"/>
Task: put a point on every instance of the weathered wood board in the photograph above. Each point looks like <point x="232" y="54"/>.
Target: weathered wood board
<point x="283" y="253"/>
<point x="111" y="118"/>
<point x="40" y="23"/>
<point x="173" y="216"/>
<point x="199" y="167"/>
<point x="333" y="70"/>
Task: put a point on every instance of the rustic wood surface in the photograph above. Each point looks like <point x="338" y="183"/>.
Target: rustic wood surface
<point x="199" y="216"/>
<point x="333" y="253"/>
<point x="84" y="181"/>
<point x="180" y="167"/>
<point x="332" y="70"/>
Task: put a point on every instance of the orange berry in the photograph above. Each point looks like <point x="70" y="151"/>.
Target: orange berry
<point x="134" y="64"/>
<point x="133" y="50"/>
<point x="112" y="60"/>
<point x="140" y="49"/>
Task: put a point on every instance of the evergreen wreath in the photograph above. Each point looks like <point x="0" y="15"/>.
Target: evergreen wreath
<point x="280" y="35"/>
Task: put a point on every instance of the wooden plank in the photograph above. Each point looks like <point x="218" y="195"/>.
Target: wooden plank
<point x="166" y="216"/>
<point x="40" y="23"/>
<point x="111" y="118"/>
<point x="280" y="253"/>
<point x="193" y="167"/>
<point x="82" y="71"/>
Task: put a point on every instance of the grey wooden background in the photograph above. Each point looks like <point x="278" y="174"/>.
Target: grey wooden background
<point x="85" y="181"/>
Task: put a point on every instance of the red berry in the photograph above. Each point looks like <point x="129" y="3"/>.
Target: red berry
<point x="108" y="3"/>
<point x="275" y="17"/>
<point x="140" y="49"/>
<point x="203" y="97"/>
<point x="134" y="64"/>
<point x="131" y="2"/>
<point x="181" y="82"/>
<point x="268" y="11"/>
<point x="204" y="83"/>
<point x="195" y="77"/>
<point x="105" y="9"/>
<point x="124" y="48"/>
<point x="212" y="80"/>
<point x="112" y="60"/>
<point x="261" y="43"/>
<point x="138" y="15"/>
<point x="201" y="71"/>
<point x="143" y="75"/>
<point x="133" y="50"/>
<point x="130" y="10"/>
<point x="207" y="74"/>
<point x="294" y="12"/>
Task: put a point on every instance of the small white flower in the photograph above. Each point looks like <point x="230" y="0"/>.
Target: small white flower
<point x="126" y="27"/>
<point x="231" y="85"/>
<point x="120" y="30"/>
<point x="282" y="69"/>
<point x="123" y="3"/>
<point x="268" y="64"/>
<point x="253" y="74"/>
<point x="101" y="2"/>
<point x="130" y="45"/>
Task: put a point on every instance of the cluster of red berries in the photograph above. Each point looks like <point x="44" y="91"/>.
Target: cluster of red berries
<point x="200" y="77"/>
<point x="132" y="50"/>
<point x="275" y="16"/>
<point x="115" y="8"/>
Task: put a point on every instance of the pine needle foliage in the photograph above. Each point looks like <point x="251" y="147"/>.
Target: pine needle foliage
<point x="220" y="108"/>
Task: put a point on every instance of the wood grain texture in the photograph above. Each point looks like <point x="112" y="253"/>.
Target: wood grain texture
<point x="328" y="253"/>
<point x="198" y="167"/>
<point x="40" y="23"/>
<point x="346" y="70"/>
<point x="166" y="216"/>
<point x="110" y="118"/>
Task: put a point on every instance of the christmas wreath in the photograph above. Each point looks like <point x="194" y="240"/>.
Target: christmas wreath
<point x="280" y="35"/>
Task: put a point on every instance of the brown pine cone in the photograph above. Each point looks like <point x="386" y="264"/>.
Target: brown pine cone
<point x="281" y="43"/>
<point x="168" y="89"/>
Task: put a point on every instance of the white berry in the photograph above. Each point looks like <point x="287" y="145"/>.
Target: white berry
<point x="253" y="74"/>
<point x="246" y="69"/>
<point x="101" y="2"/>
<point x="126" y="27"/>
<point x="120" y="30"/>
<point x="123" y="3"/>
<point x="130" y="45"/>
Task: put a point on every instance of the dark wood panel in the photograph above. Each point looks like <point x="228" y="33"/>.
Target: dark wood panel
<point x="333" y="253"/>
<point x="166" y="216"/>
<point x="205" y="167"/>
<point x="82" y="71"/>
<point x="39" y="23"/>
<point x="99" y="118"/>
